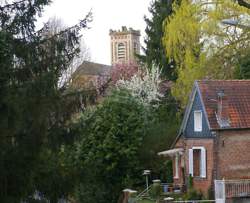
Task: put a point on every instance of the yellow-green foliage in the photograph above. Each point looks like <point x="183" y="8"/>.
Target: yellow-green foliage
<point x="201" y="45"/>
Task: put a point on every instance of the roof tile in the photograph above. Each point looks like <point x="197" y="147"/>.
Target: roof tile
<point x="237" y="96"/>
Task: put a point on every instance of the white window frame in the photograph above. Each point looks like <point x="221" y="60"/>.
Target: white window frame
<point x="176" y="175"/>
<point x="190" y="162"/>
<point x="197" y="123"/>
<point x="203" y="162"/>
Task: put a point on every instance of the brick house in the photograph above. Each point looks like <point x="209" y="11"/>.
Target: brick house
<point x="214" y="139"/>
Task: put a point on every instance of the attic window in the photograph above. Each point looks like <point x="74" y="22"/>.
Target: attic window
<point x="197" y="121"/>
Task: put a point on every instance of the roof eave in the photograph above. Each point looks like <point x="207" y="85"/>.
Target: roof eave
<point x="235" y="128"/>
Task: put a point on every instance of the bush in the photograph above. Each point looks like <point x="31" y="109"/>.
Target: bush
<point x="155" y="192"/>
<point x="192" y="194"/>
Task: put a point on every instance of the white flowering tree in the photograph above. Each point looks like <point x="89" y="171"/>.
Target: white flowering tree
<point x="144" y="86"/>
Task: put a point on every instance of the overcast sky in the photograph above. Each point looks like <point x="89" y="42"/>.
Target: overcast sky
<point x="107" y="14"/>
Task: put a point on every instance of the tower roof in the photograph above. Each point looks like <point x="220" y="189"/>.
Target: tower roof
<point x="124" y="31"/>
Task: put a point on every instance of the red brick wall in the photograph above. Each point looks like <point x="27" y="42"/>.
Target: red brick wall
<point x="233" y="154"/>
<point x="201" y="184"/>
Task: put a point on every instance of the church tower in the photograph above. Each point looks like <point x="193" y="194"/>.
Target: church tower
<point x="125" y="44"/>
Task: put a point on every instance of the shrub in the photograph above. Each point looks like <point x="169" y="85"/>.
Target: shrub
<point x="155" y="192"/>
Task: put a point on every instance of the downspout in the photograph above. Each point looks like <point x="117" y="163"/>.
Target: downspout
<point x="216" y="156"/>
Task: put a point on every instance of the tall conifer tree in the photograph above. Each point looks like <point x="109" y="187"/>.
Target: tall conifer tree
<point x="154" y="50"/>
<point x="32" y="116"/>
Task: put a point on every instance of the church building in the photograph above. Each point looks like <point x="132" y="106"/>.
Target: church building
<point x="125" y="44"/>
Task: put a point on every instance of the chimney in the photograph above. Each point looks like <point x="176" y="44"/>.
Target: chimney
<point x="222" y="109"/>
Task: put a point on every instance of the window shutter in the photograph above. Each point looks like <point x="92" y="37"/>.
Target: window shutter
<point x="190" y="162"/>
<point x="176" y="166"/>
<point x="203" y="163"/>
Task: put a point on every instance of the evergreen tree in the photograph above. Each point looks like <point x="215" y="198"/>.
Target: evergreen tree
<point x="107" y="152"/>
<point x="155" y="51"/>
<point x="32" y="117"/>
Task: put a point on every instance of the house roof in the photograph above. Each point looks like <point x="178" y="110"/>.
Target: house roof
<point x="94" y="69"/>
<point x="171" y="152"/>
<point x="235" y="101"/>
<point x="236" y="105"/>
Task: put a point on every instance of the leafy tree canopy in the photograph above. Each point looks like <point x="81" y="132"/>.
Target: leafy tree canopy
<point x="201" y="45"/>
<point x="32" y="106"/>
<point x="121" y="137"/>
<point x="107" y="150"/>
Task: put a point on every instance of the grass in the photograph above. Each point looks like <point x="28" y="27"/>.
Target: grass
<point x="145" y="201"/>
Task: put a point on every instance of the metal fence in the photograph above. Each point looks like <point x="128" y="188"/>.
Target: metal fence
<point x="226" y="189"/>
<point x="194" y="201"/>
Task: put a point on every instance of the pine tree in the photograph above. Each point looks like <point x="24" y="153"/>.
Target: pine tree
<point x="32" y="105"/>
<point x="154" y="50"/>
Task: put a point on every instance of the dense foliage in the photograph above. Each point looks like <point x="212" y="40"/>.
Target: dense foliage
<point x="202" y="45"/>
<point x="242" y="70"/>
<point x="154" y="50"/>
<point x="121" y="136"/>
<point x="107" y="151"/>
<point x="33" y="116"/>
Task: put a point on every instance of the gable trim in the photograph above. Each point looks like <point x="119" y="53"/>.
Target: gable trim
<point x="187" y="112"/>
<point x="188" y="109"/>
<point x="203" y="105"/>
<point x="195" y="90"/>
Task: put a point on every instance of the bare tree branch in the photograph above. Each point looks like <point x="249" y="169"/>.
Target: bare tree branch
<point x="244" y="3"/>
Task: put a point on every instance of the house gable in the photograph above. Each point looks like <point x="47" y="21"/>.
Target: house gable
<point x="189" y="130"/>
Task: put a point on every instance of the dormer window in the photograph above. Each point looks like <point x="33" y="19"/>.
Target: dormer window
<point x="197" y="121"/>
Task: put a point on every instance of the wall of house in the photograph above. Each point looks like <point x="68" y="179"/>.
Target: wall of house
<point x="201" y="184"/>
<point x="84" y="81"/>
<point x="181" y="179"/>
<point x="233" y="154"/>
<point x="189" y="130"/>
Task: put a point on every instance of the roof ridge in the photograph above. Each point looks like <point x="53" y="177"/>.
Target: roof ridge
<point x="85" y="61"/>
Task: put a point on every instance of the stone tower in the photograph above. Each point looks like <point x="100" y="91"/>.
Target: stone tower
<point x="125" y="44"/>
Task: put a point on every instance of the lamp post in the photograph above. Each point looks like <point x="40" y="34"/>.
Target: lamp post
<point x="146" y="173"/>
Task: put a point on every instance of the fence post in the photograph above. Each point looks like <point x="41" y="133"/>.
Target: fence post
<point x="129" y="196"/>
<point x="220" y="191"/>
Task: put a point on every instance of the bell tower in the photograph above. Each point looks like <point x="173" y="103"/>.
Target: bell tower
<point x="125" y="44"/>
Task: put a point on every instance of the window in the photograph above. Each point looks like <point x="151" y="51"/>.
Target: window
<point x="135" y="47"/>
<point x="121" y="51"/>
<point x="197" y="121"/>
<point x="197" y="162"/>
<point x="176" y="166"/>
